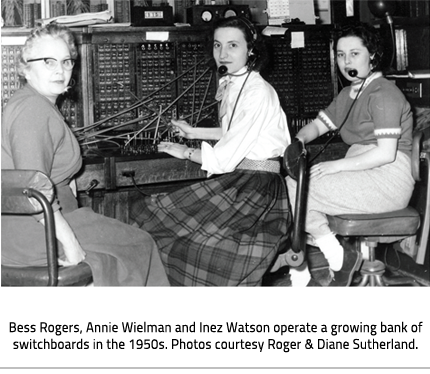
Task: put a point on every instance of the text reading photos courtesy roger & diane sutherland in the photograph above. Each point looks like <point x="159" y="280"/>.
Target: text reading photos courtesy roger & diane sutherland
<point x="226" y="336"/>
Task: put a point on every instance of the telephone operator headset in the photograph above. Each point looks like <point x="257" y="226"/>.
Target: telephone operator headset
<point x="293" y="152"/>
<point x="253" y="55"/>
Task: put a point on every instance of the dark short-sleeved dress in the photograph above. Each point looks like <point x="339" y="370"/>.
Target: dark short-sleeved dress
<point x="380" y="112"/>
<point x="35" y="137"/>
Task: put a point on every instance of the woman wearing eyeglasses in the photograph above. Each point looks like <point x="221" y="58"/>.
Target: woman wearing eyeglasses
<point x="36" y="137"/>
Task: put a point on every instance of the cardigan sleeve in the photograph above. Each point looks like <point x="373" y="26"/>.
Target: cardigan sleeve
<point x="31" y="141"/>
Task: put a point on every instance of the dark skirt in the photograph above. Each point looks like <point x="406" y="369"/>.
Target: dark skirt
<point x="224" y="231"/>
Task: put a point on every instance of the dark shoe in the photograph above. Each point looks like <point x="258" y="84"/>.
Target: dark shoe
<point x="351" y="263"/>
<point x="313" y="283"/>
<point x="282" y="280"/>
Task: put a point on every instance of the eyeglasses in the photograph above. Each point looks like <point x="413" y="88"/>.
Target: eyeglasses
<point x="52" y="63"/>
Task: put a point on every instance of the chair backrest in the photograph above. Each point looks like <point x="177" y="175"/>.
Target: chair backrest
<point x="295" y="163"/>
<point x="416" y="155"/>
<point x="15" y="183"/>
<point x="30" y="192"/>
<point x="421" y="198"/>
<point x="298" y="238"/>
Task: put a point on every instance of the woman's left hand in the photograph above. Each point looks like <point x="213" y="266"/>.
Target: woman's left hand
<point x="174" y="149"/>
<point x="324" y="168"/>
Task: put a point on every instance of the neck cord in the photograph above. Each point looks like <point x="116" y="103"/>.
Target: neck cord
<point x="239" y="75"/>
<point x="237" y="100"/>
<point x="340" y="127"/>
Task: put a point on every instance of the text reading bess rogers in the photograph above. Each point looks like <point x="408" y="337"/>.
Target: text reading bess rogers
<point x="228" y="336"/>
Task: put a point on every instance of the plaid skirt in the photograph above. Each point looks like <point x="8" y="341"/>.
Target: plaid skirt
<point x="224" y="231"/>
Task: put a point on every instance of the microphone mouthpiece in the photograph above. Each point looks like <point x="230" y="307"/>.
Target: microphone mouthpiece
<point x="353" y="73"/>
<point x="222" y="70"/>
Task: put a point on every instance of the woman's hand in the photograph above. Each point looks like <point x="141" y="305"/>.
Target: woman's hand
<point x="64" y="233"/>
<point x="324" y="168"/>
<point x="175" y="149"/>
<point x="181" y="128"/>
<point x="74" y="255"/>
<point x="384" y="153"/>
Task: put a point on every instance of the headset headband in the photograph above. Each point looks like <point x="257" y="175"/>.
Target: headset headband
<point x="250" y="27"/>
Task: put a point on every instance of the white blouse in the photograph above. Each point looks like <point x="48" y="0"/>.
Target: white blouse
<point x="258" y="129"/>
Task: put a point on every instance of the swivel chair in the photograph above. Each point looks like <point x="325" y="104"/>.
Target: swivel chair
<point x="390" y="227"/>
<point x="372" y="228"/>
<point x="18" y="186"/>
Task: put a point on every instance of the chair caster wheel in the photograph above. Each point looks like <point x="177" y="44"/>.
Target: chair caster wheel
<point x="295" y="259"/>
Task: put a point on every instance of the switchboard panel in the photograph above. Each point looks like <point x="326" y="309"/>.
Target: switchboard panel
<point x="10" y="78"/>
<point x="303" y="75"/>
<point x="113" y="82"/>
<point x="128" y="86"/>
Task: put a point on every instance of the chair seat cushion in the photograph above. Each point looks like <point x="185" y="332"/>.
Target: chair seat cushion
<point x="402" y="222"/>
<point x="77" y="275"/>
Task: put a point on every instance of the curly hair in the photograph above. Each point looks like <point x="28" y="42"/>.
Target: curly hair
<point x="254" y="40"/>
<point x="370" y="38"/>
<point x="53" y="30"/>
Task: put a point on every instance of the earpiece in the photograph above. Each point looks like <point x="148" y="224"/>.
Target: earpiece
<point x="70" y="85"/>
<point x="252" y="56"/>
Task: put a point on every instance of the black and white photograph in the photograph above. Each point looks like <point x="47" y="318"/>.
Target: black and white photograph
<point x="160" y="157"/>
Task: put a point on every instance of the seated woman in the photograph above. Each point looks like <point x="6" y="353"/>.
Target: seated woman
<point x="35" y="137"/>
<point x="226" y="230"/>
<point x="375" y="175"/>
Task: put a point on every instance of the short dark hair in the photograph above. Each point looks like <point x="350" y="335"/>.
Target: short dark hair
<point x="254" y="40"/>
<point x="369" y="36"/>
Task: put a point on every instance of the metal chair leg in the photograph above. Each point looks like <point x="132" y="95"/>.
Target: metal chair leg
<point x="373" y="271"/>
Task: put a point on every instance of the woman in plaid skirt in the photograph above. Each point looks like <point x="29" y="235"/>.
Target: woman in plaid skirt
<point x="226" y="230"/>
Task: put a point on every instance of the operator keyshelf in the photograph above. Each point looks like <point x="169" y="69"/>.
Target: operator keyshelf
<point x="114" y="171"/>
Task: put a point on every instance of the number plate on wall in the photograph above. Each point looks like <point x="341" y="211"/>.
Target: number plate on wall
<point x="152" y="16"/>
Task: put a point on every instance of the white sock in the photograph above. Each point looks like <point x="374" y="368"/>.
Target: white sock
<point x="332" y="250"/>
<point x="300" y="276"/>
